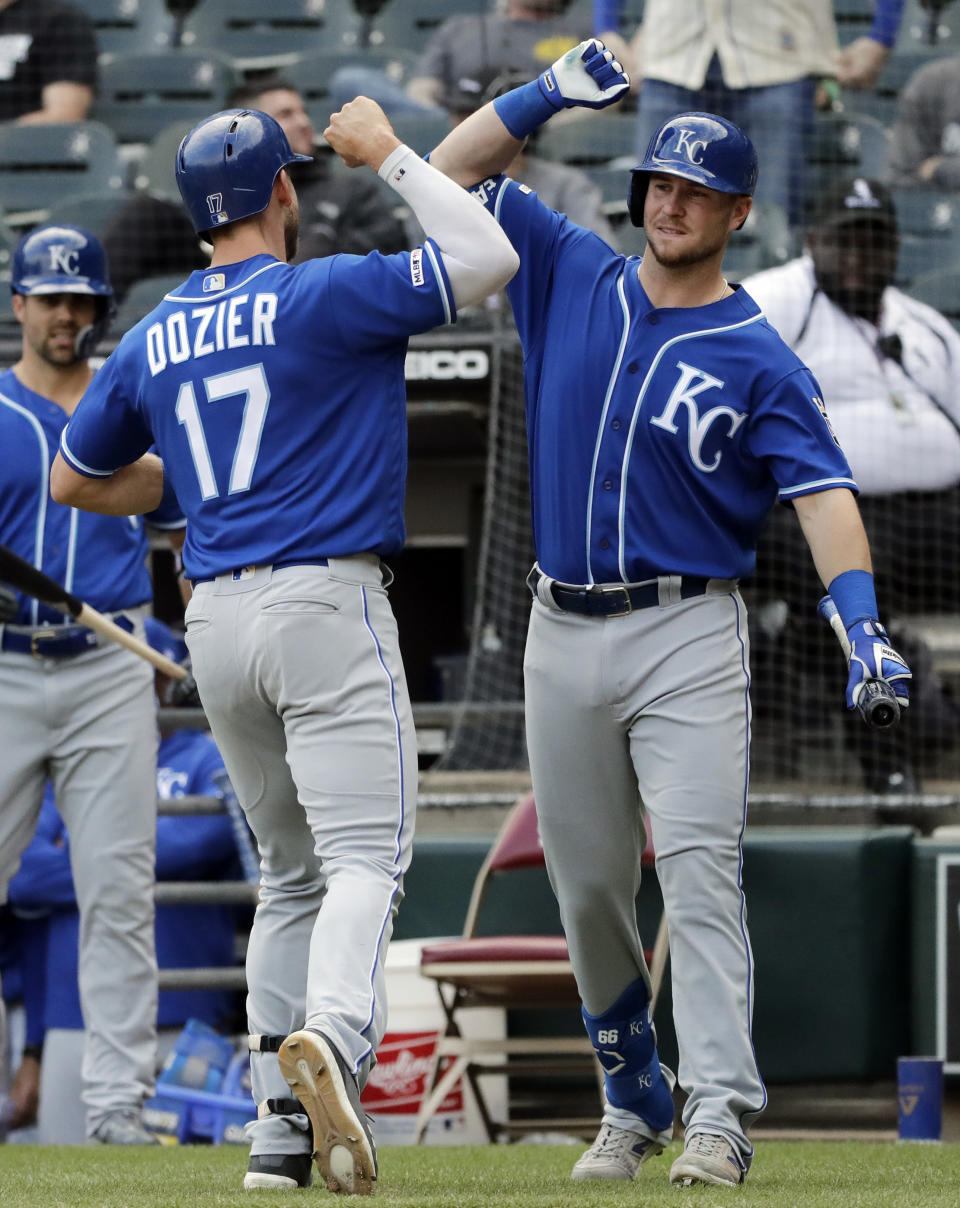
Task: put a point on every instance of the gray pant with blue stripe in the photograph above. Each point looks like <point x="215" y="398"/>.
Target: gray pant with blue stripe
<point x="653" y="705"/>
<point x="300" y="675"/>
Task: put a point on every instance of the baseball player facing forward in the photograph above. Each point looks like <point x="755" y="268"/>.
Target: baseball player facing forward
<point x="275" y="394"/>
<point x="665" y="418"/>
<point x="74" y="709"/>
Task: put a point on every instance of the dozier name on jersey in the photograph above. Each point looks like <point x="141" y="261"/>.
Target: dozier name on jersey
<point x="231" y="323"/>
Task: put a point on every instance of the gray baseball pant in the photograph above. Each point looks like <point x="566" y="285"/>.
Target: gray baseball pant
<point x="88" y="724"/>
<point x="300" y="675"/>
<point x="651" y="710"/>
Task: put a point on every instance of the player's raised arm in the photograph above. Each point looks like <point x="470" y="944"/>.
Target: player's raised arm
<point x="477" y="256"/>
<point x="485" y="143"/>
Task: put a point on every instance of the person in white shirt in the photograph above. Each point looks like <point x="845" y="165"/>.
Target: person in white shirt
<point x="889" y="370"/>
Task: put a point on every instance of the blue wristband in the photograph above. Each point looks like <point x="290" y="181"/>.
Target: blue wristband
<point x="855" y="597"/>
<point x="886" y="21"/>
<point x="523" y="109"/>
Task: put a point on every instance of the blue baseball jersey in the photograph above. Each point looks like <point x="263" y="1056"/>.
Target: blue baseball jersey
<point x="275" y="394"/>
<point x="659" y="439"/>
<point x="101" y="559"/>
<point x="191" y="848"/>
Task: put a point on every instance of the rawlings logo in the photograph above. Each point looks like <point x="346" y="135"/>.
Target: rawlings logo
<point x="405" y="1075"/>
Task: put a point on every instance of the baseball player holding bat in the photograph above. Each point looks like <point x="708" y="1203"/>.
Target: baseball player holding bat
<point x="665" y="419"/>
<point x="275" y="394"/>
<point x="76" y="707"/>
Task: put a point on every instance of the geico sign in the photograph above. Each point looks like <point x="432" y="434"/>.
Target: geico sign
<point x="446" y="365"/>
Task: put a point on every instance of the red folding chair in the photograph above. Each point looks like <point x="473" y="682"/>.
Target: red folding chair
<point x="512" y="972"/>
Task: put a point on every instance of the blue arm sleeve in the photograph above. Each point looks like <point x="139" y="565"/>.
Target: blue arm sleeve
<point x="33" y="964"/>
<point x="606" y="15"/>
<point x="886" y="21"/>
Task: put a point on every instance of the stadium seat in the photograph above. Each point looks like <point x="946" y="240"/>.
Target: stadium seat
<point x="940" y="289"/>
<point x="845" y="144"/>
<point x="156" y="171"/>
<point x="263" y="33"/>
<point x="92" y="211"/>
<point x="882" y="102"/>
<point x="408" y="24"/>
<point x="929" y="224"/>
<point x="934" y="28"/>
<point x="515" y="972"/>
<point x="140" y="94"/>
<point x="421" y="131"/>
<point x="142" y="298"/>
<point x="40" y="165"/>
<point x="130" y="26"/>
<point x="311" y="72"/>
<point x="589" y="139"/>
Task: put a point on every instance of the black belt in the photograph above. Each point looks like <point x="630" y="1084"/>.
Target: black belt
<point x="609" y="600"/>
<point x="54" y="641"/>
<point x="274" y="565"/>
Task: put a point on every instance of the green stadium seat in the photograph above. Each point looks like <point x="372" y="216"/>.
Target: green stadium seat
<point x="409" y="24"/>
<point x="845" y="144"/>
<point x="129" y="26"/>
<point x="140" y="94"/>
<point x="141" y="298"/>
<point x="590" y="139"/>
<point x="262" y="33"/>
<point x="929" y="224"/>
<point x="92" y="211"/>
<point x="40" y="165"/>
<point x="311" y="72"/>
<point x="940" y="289"/>
<point x="156" y="171"/>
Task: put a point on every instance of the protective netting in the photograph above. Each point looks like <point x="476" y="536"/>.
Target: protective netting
<point x="871" y="304"/>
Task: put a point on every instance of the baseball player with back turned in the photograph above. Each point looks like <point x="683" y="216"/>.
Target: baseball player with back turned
<point x="665" y="418"/>
<point x="276" y="397"/>
<point x="73" y="708"/>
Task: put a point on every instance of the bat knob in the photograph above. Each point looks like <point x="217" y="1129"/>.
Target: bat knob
<point x="878" y="705"/>
<point x="183" y="693"/>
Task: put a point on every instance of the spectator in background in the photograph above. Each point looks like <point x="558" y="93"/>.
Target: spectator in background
<point x="889" y="368"/>
<point x="468" y="52"/>
<point x="925" y="148"/>
<point x="759" y="66"/>
<point x="339" y="211"/>
<point x="48" y="61"/>
<point x="189" y="848"/>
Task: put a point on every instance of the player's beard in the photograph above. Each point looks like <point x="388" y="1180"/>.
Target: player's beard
<point x="57" y="357"/>
<point x="685" y="257"/>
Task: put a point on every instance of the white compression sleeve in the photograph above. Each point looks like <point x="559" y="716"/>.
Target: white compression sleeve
<point x="477" y="255"/>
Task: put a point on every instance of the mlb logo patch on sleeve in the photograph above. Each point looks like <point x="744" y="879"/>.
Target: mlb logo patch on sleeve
<point x="213" y="281"/>
<point x="416" y="266"/>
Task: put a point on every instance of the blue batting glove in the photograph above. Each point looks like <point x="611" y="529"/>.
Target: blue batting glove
<point x="872" y="657"/>
<point x="587" y="76"/>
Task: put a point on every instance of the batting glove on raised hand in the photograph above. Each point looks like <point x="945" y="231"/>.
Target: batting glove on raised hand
<point x="872" y="657"/>
<point x="587" y="76"/>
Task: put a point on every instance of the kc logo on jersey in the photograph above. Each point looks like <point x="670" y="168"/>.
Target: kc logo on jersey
<point x="63" y="259"/>
<point x="692" y="382"/>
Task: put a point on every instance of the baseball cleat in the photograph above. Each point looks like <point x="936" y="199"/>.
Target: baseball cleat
<point x="707" y="1158"/>
<point x="123" y="1128"/>
<point x="343" y="1145"/>
<point x="278" y="1172"/>
<point x="617" y="1153"/>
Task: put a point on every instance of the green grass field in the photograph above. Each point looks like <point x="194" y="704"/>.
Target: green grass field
<point x="786" y="1174"/>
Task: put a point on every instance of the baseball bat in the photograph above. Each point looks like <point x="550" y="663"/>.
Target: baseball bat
<point x="32" y="582"/>
<point x="877" y="704"/>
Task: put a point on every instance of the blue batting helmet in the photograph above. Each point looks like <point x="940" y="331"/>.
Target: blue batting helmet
<point x="697" y="146"/>
<point x="227" y="164"/>
<point x="65" y="260"/>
